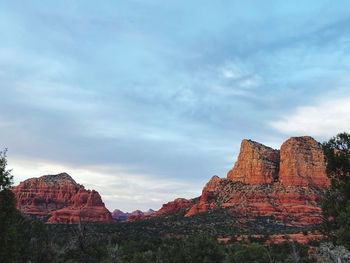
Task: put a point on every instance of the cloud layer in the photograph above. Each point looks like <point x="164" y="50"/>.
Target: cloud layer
<point x="323" y="120"/>
<point x="147" y="91"/>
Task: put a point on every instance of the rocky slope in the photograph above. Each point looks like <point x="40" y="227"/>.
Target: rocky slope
<point x="59" y="199"/>
<point x="290" y="205"/>
<point x="174" y="207"/>
<point x="286" y="185"/>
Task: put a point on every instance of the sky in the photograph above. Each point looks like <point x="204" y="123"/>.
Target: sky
<point x="144" y="101"/>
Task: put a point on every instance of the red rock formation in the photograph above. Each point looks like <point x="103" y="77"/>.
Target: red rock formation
<point x="149" y="212"/>
<point x="286" y="185"/>
<point x="209" y="194"/>
<point x="136" y="215"/>
<point x="59" y="199"/>
<point x="256" y="164"/>
<point x="174" y="206"/>
<point x="302" y="163"/>
<point x="291" y="205"/>
<point x="83" y="214"/>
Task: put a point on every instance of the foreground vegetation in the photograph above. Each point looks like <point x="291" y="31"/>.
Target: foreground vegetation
<point x="112" y="243"/>
<point x="175" y="239"/>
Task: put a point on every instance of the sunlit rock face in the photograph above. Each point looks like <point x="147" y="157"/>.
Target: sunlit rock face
<point x="59" y="199"/>
<point x="208" y="197"/>
<point x="287" y="184"/>
<point x="291" y="205"/>
<point x="302" y="163"/>
<point x="256" y="164"/>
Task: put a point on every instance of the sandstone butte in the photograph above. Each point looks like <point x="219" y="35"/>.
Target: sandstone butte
<point x="286" y="184"/>
<point x="59" y="199"/>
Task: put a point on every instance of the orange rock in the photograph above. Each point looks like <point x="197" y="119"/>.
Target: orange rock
<point x="71" y="215"/>
<point x="174" y="206"/>
<point x="256" y="164"/>
<point x="302" y="163"/>
<point x="59" y="199"/>
<point x="209" y="193"/>
<point x="291" y="205"/>
<point x="287" y="185"/>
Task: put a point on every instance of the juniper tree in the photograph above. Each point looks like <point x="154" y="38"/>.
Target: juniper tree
<point x="336" y="206"/>
<point x="9" y="215"/>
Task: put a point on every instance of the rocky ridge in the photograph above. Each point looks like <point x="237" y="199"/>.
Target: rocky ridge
<point x="135" y="215"/>
<point x="59" y="199"/>
<point x="173" y="207"/>
<point x="302" y="163"/>
<point x="119" y="215"/>
<point x="256" y="164"/>
<point x="286" y="185"/>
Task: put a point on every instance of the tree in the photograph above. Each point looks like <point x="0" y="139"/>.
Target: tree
<point x="336" y="206"/>
<point x="9" y="215"/>
<point x="248" y="252"/>
<point x="5" y="175"/>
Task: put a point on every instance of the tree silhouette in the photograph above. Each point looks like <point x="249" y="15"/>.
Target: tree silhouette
<point x="9" y="215"/>
<point x="336" y="206"/>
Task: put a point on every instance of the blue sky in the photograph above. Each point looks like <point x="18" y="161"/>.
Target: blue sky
<point x="145" y="100"/>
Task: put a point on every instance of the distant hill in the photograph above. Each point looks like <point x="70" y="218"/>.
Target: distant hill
<point x="137" y="214"/>
<point x="59" y="199"/>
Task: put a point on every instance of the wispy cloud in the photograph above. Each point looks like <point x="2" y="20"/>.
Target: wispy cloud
<point x="161" y="90"/>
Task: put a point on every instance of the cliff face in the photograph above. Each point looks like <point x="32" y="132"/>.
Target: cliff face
<point x="256" y="164"/>
<point x="59" y="199"/>
<point x="302" y="163"/>
<point x="299" y="162"/>
<point x="287" y="185"/>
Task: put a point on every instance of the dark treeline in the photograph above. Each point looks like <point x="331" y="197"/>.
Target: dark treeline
<point x="101" y="243"/>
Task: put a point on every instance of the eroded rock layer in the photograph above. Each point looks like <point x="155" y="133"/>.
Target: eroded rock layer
<point x="302" y="163"/>
<point x="256" y="164"/>
<point x="59" y="199"/>
<point x="287" y="185"/>
<point x="291" y="205"/>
